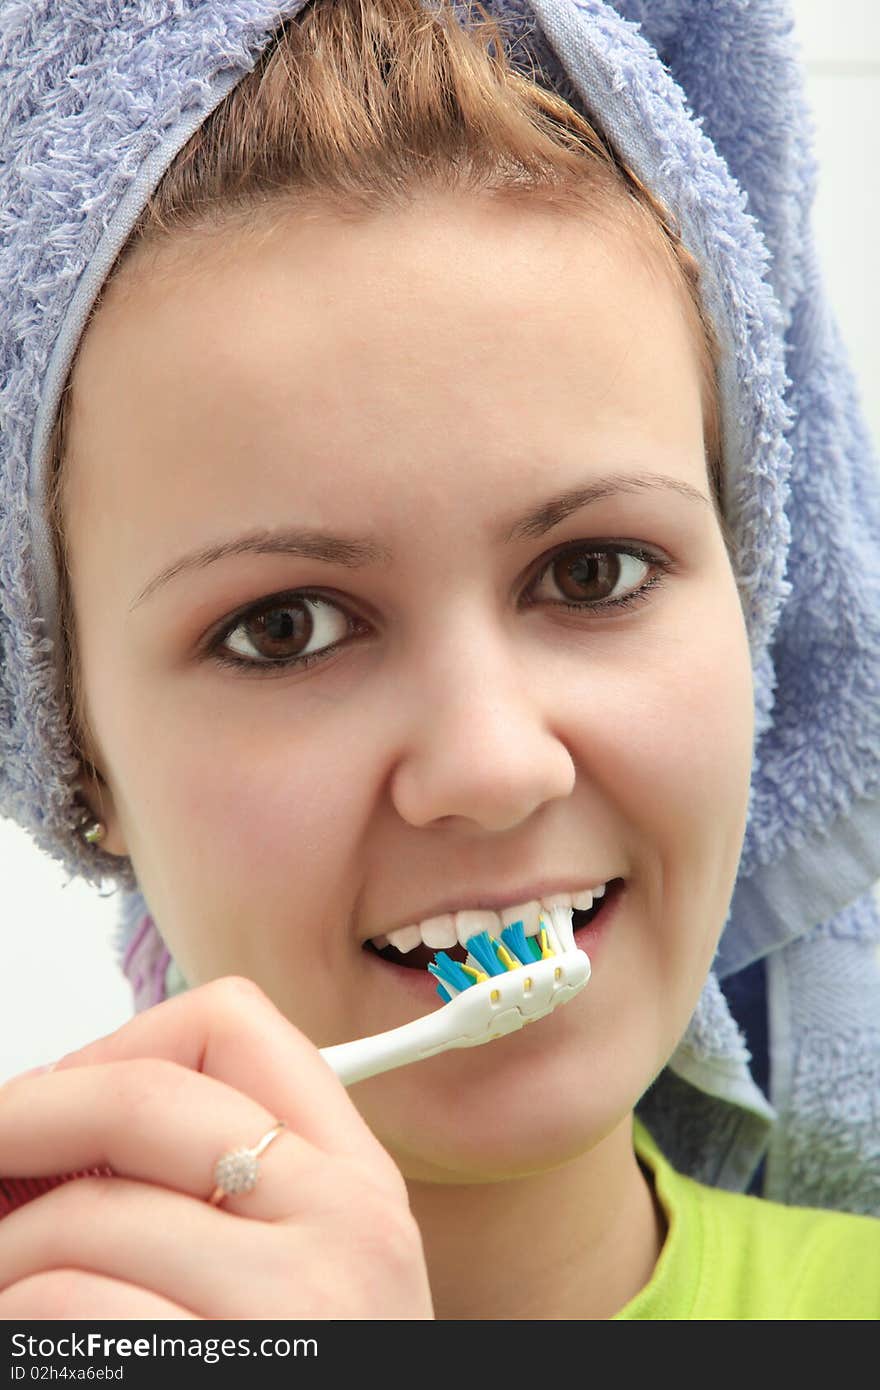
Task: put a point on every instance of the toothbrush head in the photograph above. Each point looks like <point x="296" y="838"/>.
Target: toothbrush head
<point x="502" y="985"/>
<point x="513" y="979"/>
<point x="489" y="956"/>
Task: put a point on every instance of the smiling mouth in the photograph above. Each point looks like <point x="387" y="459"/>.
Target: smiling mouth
<point x="420" y="957"/>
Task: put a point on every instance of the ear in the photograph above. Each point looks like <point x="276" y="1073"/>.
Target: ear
<point x="97" y="798"/>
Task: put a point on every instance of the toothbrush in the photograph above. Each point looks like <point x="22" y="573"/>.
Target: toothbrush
<point x="505" y="982"/>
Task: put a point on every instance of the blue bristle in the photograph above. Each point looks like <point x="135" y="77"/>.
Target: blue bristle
<point x="515" y="939"/>
<point x="482" y="950"/>
<point x="443" y="967"/>
<point x="444" y="994"/>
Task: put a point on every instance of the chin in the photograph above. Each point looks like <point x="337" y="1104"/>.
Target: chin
<point x="483" y="1160"/>
<point x="512" y="1120"/>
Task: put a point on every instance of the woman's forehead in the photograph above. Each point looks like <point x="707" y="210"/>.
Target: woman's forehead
<point x="472" y="266"/>
<point x="312" y="360"/>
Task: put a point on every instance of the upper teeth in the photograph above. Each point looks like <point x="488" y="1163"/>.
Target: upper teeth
<point x="442" y="932"/>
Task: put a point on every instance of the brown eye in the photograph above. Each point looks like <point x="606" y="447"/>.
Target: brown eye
<point x="581" y="576"/>
<point x="279" y="633"/>
<point x="286" y="631"/>
<point x="594" y="577"/>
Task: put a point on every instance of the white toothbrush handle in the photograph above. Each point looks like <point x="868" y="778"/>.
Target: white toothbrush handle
<point x="365" y="1057"/>
<point x="485" y="1011"/>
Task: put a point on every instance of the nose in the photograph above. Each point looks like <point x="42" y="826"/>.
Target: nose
<point x="479" y="744"/>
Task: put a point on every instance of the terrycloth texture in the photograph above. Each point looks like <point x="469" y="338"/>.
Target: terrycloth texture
<point x="705" y="101"/>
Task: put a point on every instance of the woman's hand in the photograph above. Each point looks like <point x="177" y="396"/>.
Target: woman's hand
<point x="326" y="1232"/>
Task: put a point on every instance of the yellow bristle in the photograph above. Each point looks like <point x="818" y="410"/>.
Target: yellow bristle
<point x="478" y="976"/>
<point x="546" y="951"/>
<point x="505" y="957"/>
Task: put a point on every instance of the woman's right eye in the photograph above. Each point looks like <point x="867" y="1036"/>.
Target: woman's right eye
<point x="282" y="633"/>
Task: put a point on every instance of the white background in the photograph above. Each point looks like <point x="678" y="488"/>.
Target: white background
<point x="59" y="982"/>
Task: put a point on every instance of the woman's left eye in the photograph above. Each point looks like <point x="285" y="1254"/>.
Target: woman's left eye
<point x="299" y="629"/>
<point x="592" y="580"/>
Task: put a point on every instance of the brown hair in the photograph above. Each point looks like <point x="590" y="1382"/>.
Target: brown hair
<point x="356" y="106"/>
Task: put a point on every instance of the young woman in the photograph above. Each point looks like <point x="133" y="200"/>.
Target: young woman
<point x="411" y="539"/>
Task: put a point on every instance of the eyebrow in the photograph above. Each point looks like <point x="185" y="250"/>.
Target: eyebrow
<point x="351" y="552"/>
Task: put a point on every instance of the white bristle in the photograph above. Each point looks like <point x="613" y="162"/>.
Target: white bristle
<point x="560" y="931"/>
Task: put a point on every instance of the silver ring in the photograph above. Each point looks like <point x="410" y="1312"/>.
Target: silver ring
<point x="238" y="1170"/>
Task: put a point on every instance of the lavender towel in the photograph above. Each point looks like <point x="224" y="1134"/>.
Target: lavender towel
<point x="704" y="99"/>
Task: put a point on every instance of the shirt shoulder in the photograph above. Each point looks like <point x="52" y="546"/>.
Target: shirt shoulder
<point x="729" y="1256"/>
<point x="768" y="1261"/>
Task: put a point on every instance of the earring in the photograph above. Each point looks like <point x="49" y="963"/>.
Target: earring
<point x="90" y="828"/>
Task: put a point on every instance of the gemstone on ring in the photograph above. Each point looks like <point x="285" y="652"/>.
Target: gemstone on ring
<point x="236" y="1171"/>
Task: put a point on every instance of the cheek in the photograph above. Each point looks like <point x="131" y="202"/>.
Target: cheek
<point x="695" y="734"/>
<point x="687" y="761"/>
<point x="666" y="735"/>
<point x="230" y="819"/>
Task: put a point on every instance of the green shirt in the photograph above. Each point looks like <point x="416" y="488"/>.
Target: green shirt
<point x="728" y="1256"/>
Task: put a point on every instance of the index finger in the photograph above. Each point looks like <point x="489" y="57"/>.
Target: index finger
<point x="230" y="1030"/>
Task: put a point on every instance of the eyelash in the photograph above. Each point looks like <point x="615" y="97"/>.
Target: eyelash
<point x="627" y="601"/>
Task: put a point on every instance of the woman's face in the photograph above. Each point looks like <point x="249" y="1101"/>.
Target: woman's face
<point x="401" y="448"/>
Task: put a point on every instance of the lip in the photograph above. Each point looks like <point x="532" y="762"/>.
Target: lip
<point x="493" y="900"/>
<point x="421" y="986"/>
